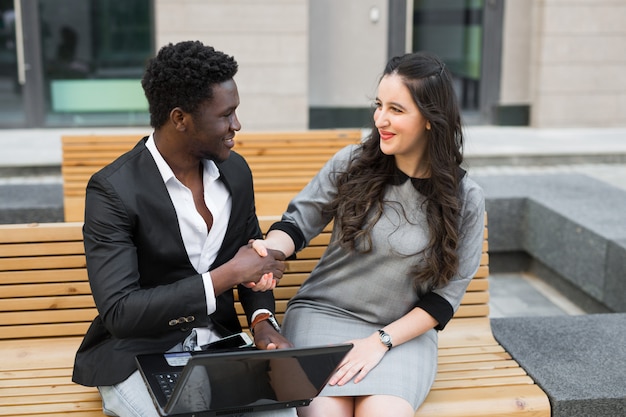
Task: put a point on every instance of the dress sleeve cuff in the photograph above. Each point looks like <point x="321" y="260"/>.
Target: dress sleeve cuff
<point x="438" y="307"/>
<point x="209" y="293"/>
<point x="293" y="231"/>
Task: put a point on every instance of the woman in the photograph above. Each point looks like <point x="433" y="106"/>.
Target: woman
<point x="407" y="240"/>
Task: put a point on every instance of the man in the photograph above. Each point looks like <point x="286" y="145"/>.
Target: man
<point x="166" y="233"/>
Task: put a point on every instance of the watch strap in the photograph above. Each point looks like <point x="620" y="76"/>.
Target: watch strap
<point x="262" y="317"/>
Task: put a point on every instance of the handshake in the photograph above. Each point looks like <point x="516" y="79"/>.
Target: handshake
<point x="264" y="266"/>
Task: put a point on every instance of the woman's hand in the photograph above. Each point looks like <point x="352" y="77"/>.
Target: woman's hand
<point x="361" y="359"/>
<point x="259" y="246"/>
<point x="267" y="281"/>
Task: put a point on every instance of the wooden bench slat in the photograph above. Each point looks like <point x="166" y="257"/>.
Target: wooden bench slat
<point x="479" y="357"/>
<point x="521" y="400"/>
<point x="481" y="365"/>
<point x="42" y="262"/>
<point x="44" y="330"/>
<point x="483" y="382"/>
<point x="61" y="408"/>
<point x="483" y="272"/>
<point x="44" y="289"/>
<point x="473" y="297"/>
<point x="46" y="303"/>
<point x="472" y="311"/>
<point x="9" y="319"/>
<point x="41" y="381"/>
<point x="90" y="411"/>
<point x="47" y="249"/>
<point x="33" y="373"/>
<point x="39" y="353"/>
<point x="43" y="275"/>
<point x="52" y="232"/>
<point x="473" y="374"/>
<point x="470" y="350"/>
<point x="470" y="331"/>
<point x="74" y="207"/>
<point x="49" y="395"/>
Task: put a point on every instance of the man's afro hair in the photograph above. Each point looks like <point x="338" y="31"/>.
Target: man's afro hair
<point x="182" y="75"/>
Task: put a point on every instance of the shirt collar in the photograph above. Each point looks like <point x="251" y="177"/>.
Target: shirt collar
<point x="210" y="170"/>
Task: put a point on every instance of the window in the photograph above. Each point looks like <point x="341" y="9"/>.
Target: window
<point x="93" y="55"/>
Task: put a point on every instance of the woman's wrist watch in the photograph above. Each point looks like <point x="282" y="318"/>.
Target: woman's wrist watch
<point x="262" y="316"/>
<point x="385" y="339"/>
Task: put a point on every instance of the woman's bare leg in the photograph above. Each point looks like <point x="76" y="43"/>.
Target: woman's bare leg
<point x="382" y="405"/>
<point x="328" y="406"/>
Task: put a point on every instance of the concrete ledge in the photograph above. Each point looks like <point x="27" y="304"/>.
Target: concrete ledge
<point x="579" y="361"/>
<point x="572" y="224"/>
<point x="31" y="203"/>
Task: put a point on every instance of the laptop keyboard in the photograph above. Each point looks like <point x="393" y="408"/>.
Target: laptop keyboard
<point x="167" y="381"/>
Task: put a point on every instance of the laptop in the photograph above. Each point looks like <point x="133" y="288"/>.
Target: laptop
<point x="206" y="384"/>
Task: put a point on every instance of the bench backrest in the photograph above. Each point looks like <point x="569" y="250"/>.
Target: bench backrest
<point x="281" y="162"/>
<point x="44" y="290"/>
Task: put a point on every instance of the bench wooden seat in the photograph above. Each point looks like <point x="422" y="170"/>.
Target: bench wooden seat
<point x="46" y="307"/>
<point x="281" y="162"/>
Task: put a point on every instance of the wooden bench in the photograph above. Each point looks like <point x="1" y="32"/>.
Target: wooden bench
<point x="46" y="307"/>
<point x="282" y="163"/>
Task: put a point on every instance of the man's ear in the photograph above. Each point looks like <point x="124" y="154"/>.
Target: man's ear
<point x="179" y="118"/>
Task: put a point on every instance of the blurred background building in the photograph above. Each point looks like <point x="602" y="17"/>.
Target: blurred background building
<point x="315" y="63"/>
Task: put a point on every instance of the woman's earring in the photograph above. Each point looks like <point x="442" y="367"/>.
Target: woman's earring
<point x="427" y="125"/>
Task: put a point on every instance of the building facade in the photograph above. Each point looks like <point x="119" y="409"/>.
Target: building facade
<point x="315" y="63"/>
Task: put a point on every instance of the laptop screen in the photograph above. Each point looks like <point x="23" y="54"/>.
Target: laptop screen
<point x="251" y="380"/>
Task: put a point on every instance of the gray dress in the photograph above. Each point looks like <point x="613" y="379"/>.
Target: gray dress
<point x="349" y="296"/>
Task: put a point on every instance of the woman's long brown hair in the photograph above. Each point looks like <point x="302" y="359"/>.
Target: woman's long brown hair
<point x="361" y="188"/>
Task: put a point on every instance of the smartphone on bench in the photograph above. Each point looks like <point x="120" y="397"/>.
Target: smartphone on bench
<point x="234" y="341"/>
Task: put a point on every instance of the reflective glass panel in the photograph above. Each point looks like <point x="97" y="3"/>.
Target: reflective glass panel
<point x="93" y="54"/>
<point x="11" y="99"/>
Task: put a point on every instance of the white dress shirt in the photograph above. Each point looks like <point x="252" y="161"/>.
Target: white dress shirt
<point x="202" y="246"/>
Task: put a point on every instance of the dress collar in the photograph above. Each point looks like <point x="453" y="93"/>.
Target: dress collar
<point x="420" y="184"/>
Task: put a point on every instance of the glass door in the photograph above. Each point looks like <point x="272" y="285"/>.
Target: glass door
<point x="12" y="68"/>
<point x="71" y="63"/>
<point x="93" y="57"/>
<point x="453" y="29"/>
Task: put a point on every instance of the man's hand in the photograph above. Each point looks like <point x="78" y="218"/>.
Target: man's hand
<point x="266" y="337"/>
<point x="253" y="268"/>
<point x="261" y="273"/>
<point x="268" y="281"/>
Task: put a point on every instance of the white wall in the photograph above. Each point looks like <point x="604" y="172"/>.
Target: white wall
<point x="578" y="63"/>
<point x="516" y="52"/>
<point x="269" y="40"/>
<point x="348" y="51"/>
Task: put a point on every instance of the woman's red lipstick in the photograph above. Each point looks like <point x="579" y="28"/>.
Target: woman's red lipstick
<point x="384" y="135"/>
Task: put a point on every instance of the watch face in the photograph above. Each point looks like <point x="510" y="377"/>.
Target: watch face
<point x="385" y="339"/>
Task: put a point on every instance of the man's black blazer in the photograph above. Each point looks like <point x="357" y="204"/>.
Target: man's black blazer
<point x="148" y="295"/>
